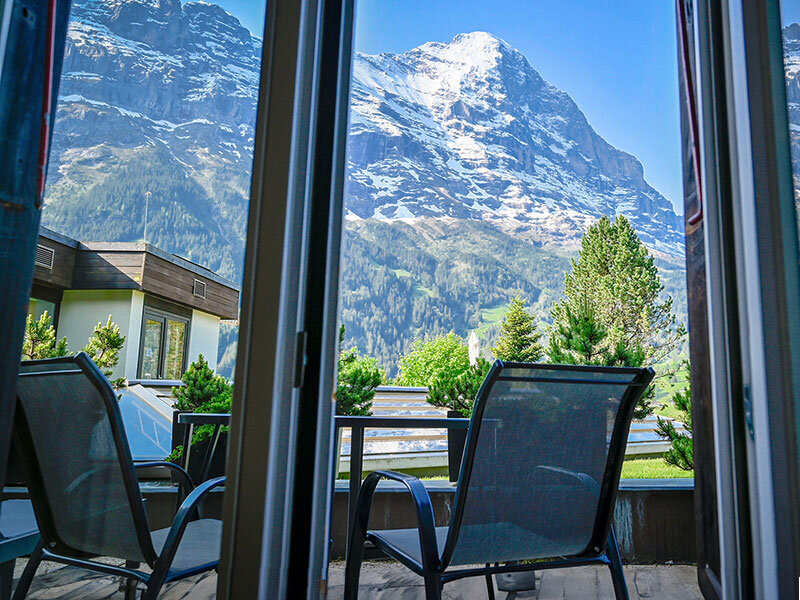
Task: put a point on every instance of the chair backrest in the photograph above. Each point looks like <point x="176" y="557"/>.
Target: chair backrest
<point x="80" y="472"/>
<point x="542" y="462"/>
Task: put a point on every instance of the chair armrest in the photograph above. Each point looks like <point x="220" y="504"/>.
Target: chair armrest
<point x="184" y="479"/>
<point x="424" y="508"/>
<point x="582" y="478"/>
<point x="182" y="519"/>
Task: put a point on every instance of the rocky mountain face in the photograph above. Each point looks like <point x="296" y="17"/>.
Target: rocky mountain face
<point x="177" y="82"/>
<point x="469" y="176"/>
<point x="469" y="129"/>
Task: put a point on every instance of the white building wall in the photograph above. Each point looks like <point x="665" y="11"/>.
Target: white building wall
<point x="81" y="310"/>
<point x="204" y="338"/>
<point x="133" y="341"/>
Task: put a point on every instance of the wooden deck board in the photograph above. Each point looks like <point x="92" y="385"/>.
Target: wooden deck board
<point x="384" y="580"/>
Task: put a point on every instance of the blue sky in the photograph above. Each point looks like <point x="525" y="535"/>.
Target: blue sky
<point x="618" y="60"/>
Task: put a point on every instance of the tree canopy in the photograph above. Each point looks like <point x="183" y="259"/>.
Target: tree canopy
<point x="429" y="359"/>
<point x="616" y="275"/>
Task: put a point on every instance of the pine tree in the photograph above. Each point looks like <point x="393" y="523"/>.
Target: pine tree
<point x="104" y="345"/>
<point x="681" y="454"/>
<point x="582" y="341"/>
<point x="40" y="339"/>
<point x="459" y="392"/>
<point x="519" y="340"/>
<point x="201" y="386"/>
<point x="617" y="276"/>
<point x="357" y="379"/>
<point x="578" y="339"/>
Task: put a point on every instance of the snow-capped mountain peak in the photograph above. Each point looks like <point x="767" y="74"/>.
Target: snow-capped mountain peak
<point x="469" y="129"/>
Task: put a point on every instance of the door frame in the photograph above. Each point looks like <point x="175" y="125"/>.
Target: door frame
<point x="754" y="292"/>
<point x="277" y="494"/>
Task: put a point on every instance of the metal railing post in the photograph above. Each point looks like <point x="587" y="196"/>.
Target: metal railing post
<point x="356" y="470"/>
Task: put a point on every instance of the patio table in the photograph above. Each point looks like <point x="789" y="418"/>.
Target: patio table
<point x="357" y="426"/>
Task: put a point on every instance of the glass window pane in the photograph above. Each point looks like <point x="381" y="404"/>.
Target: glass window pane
<point x="151" y="349"/>
<point x="175" y="346"/>
<point x="791" y="59"/>
<point x="37" y="307"/>
<point x="149" y="430"/>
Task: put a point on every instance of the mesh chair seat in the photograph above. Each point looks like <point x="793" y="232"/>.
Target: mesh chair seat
<point x="17" y="519"/>
<point x="199" y="549"/>
<point x="401" y="543"/>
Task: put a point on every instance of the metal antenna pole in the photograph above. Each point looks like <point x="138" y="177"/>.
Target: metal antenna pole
<point x="146" y="203"/>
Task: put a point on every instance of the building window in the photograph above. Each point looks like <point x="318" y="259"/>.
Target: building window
<point x="165" y="337"/>
<point x="37" y="307"/>
<point x="43" y="299"/>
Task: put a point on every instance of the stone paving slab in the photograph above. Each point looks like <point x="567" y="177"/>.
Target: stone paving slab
<point x="384" y="580"/>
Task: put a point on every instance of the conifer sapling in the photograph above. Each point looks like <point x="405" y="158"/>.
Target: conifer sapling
<point x="201" y="385"/>
<point x="40" y="339"/>
<point x="358" y="376"/>
<point x="104" y="345"/>
<point x="681" y="454"/>
<point x="519" y="340"/>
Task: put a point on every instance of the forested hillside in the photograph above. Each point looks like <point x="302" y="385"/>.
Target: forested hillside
<point x="405" y="281"/>
<point x="182" y="217"/>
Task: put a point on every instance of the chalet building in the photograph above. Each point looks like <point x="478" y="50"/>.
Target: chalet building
<point x="168" y="308"/>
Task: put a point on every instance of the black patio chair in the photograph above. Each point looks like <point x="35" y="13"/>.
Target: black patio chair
<point x="19" y="532"/>
<point x="537" y="483"/>
<point x="84" y="488"/>
<point x="18" y="537"/>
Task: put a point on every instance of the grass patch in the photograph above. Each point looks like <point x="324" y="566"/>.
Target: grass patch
<point x="632" y="468"/>
<point x="490" y="316"/>
<point x="420" y="290"/>
<point x="669" y="410"/>
<point x="651" y="468"/>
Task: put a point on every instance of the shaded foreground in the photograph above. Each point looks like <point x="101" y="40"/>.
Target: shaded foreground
<point x="389" y="580"/>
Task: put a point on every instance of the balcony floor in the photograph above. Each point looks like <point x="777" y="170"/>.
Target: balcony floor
<point x="388" y="580"/>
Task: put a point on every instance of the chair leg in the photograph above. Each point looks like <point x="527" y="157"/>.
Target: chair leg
<point x="130" y="589"/>
<point x="128" y="585"/>
<point x="24" y="583"/>
<point x="6" y="579"/>
<point x="152" y="590"/>
<point x="615" y="566"/>
<point x="352" y="568"/>
<point x="489" y="584"/>
<point x="433" y="587"/>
